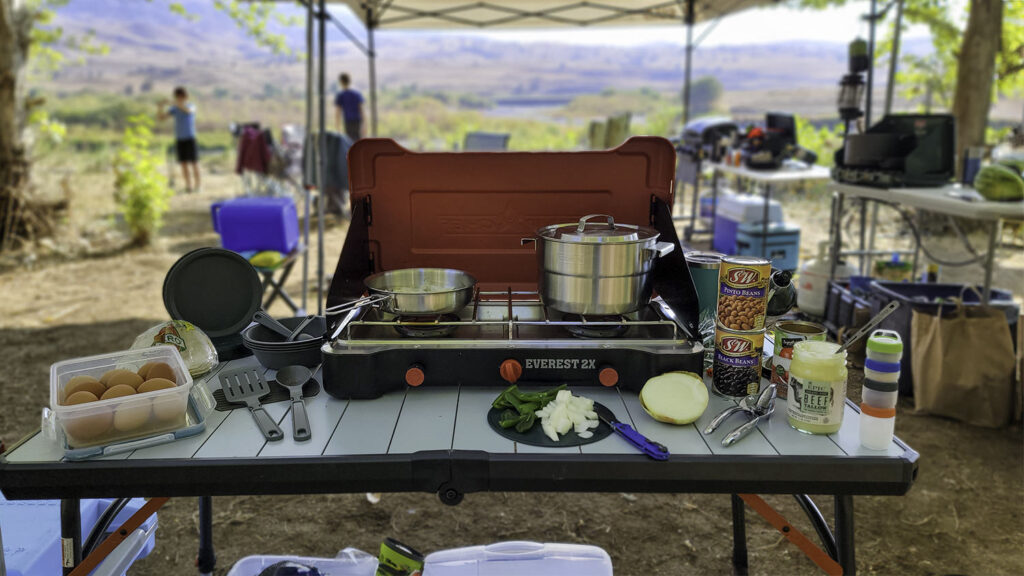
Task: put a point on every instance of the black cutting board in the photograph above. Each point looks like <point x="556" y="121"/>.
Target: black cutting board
<point x="535" y="436"/>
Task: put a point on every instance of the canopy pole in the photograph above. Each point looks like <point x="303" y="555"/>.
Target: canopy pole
<point x="321" y="92"/>
<point x="688" y="19"/>
<point x="894" y="57"/>
<point x="871" y="66"/>
<point x="308" y="158"/>
<point x="371" y="55"/>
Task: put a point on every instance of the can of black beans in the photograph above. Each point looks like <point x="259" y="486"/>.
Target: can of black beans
<point x="737" y="367"/>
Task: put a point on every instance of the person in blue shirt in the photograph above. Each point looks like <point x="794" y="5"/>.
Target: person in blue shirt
<point x="348" y="108"/>
<point x="184" y="113"/>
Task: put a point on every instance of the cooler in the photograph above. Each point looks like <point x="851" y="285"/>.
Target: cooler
<point x="31" y="533"/>
<point x="518" y="558"/>
<point x="260" y="223"/>
<point x="783" y="243"/>
<point x="734" y="211"/>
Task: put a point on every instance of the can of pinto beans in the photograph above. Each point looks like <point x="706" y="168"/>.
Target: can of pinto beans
<point x="743" y="292"/>
<point x="737" y="367"/>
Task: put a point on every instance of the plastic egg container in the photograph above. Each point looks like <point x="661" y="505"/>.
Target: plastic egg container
<point x="139" y="415"/>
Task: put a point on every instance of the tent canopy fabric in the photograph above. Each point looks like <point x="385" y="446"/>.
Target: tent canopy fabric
<point x="439" y="14"/>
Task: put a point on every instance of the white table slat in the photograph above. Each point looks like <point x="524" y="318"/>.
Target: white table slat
<point x="427" y="421"/>
<point x="366" y="426"/>
<point x="323" y="412"/>
<point x="36" y="449"/>
<point x="680" y="440"/>
<point x="754" y="444"/>
<point x="613" y="444"/>
<point x="239" y="436"/>
<point x="791" y="442"/>
<point x="848" y="438"/>
<point x="471" y="429"/>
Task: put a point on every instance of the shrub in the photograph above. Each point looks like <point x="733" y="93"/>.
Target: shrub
<point x="140" y="188"/>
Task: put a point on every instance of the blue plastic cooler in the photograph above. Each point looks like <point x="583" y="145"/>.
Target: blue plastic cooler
<point x="260" y="223"/>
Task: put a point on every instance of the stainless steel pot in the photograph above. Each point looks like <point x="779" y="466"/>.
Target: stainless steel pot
<point x="597" y="268"/>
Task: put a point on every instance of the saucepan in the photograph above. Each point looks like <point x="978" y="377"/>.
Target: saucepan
<point x="415" y="292"/>
<point x="598" y="267"/>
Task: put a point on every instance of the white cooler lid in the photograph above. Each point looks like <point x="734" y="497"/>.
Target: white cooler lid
<point x="748" y="208"/>
<point x="518" y="558"/>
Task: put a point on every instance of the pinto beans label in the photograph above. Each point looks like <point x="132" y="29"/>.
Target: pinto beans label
<point x="743" y="292"/>
<point x="737" y="365"/>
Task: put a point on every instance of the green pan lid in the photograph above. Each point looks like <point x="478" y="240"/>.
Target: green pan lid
<point x="885" y="342"/>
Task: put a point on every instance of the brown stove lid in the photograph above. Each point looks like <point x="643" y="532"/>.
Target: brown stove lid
<point x="603" y="230"/>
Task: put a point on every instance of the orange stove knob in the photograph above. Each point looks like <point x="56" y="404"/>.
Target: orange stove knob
<point x="511" y="370"/>
<point x="414" y="376"/>
<point x="608" y="376"/>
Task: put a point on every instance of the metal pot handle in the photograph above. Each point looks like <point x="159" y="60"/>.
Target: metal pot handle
<point x="660" y="249"/>
<point x="525" y="241"/>
<point x="583" y="221"/>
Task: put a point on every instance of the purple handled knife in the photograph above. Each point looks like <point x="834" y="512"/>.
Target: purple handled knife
<point x="649" y="447"/>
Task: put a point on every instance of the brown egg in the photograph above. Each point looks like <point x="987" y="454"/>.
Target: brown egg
<point x="155" y="384"/>
<point x="86" y="383"/>
<point x="169" y="409"/>
<point x="131" y="416"/>
<point x="85" y="428"/>
<point x="121" y="377"/>
<point x="161" y="370"/>
<point x="118" y="391"/>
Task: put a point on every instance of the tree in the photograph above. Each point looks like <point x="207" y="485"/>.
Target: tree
<point x="25" y="33"/>
<point x="971" y="64"/>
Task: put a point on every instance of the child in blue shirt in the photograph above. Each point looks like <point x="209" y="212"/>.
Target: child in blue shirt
<point x="184" y="113"/>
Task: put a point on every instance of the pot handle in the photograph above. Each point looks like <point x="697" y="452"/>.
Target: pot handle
<point x="660" y="249"/>
<point x="583" y="221"/>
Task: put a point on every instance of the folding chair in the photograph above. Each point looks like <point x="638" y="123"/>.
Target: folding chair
<point x="276" y="285"/>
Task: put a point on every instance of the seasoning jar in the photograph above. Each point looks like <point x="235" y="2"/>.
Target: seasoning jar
<point x="877" y="426"/>
<point x="879" y="394"/>
<point x="817" y="387"/>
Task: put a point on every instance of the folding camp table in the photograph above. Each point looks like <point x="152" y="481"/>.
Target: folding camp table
<point x="437" y="440"/>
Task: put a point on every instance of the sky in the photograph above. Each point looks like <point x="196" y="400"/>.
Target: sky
<point x="758" y="26"/>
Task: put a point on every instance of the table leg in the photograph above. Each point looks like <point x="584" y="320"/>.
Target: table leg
<point x="694" y="204"/>
<point x="70" y="533"/>
<point x="837" y="234"/>
<point x="845" y="534"/>
<point x="714" y="204"/>
<point x="206" y="559"/>
<point x="993" y="244"/>
<point x="764" y="222"/>
<point x="863" y="260"/>
<point x="739" y="537"/>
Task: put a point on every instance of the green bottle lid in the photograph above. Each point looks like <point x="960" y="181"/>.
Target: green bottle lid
<point x="885" y="342"/>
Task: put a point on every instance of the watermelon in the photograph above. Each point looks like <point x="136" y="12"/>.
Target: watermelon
<point x="999" y="182"/>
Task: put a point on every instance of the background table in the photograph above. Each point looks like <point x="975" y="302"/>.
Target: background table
<point x="944" y="200"/>
<point x="437" y="440"/>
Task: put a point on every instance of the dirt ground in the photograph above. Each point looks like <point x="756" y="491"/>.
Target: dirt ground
<point x="963" y="516"/>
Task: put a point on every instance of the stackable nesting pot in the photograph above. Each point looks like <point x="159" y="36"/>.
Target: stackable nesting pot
<point x="881" y="389"/>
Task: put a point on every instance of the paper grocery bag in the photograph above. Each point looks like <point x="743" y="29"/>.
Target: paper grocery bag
<point x="963" y="365"/>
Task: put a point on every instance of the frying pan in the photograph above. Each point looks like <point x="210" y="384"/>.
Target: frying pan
<point x="415" y="292"/>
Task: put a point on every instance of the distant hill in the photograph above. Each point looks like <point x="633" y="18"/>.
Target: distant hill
<point x="153" y="49"/>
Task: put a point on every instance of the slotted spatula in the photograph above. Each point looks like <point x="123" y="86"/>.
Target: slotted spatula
<point x="248" y="386"/>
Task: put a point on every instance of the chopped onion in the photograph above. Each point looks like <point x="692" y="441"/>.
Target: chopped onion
<point x="567" y="412"/>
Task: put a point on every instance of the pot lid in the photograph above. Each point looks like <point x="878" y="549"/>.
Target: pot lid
<point x="215" y="289"/>
<point x="606" y="232"/>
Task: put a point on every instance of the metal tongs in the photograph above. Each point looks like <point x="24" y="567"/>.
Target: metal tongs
<point x="756" y="407"/>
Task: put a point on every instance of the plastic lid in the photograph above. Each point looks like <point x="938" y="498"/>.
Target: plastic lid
<point x="215" y="289"/>
<point x="877" y="412"/>
<point x="886" y="367"/>
<point x="880" y="386"/>
<point x="598" y="232"/>
<point x="885" y="342"/>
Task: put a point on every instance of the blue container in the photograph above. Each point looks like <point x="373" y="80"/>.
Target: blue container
<point x="31" y="532"/>
<point x="783" y="244"/>
<point x="925" y="298"/>
<point x="735" y="210"/>
<point x="256" y="224"/>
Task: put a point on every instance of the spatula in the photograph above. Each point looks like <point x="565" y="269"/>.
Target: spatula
<point x="247" y="386"/>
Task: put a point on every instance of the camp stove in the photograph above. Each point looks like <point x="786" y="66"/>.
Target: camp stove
<point x="470" y="211"/>
<point x="504" y="338"/>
